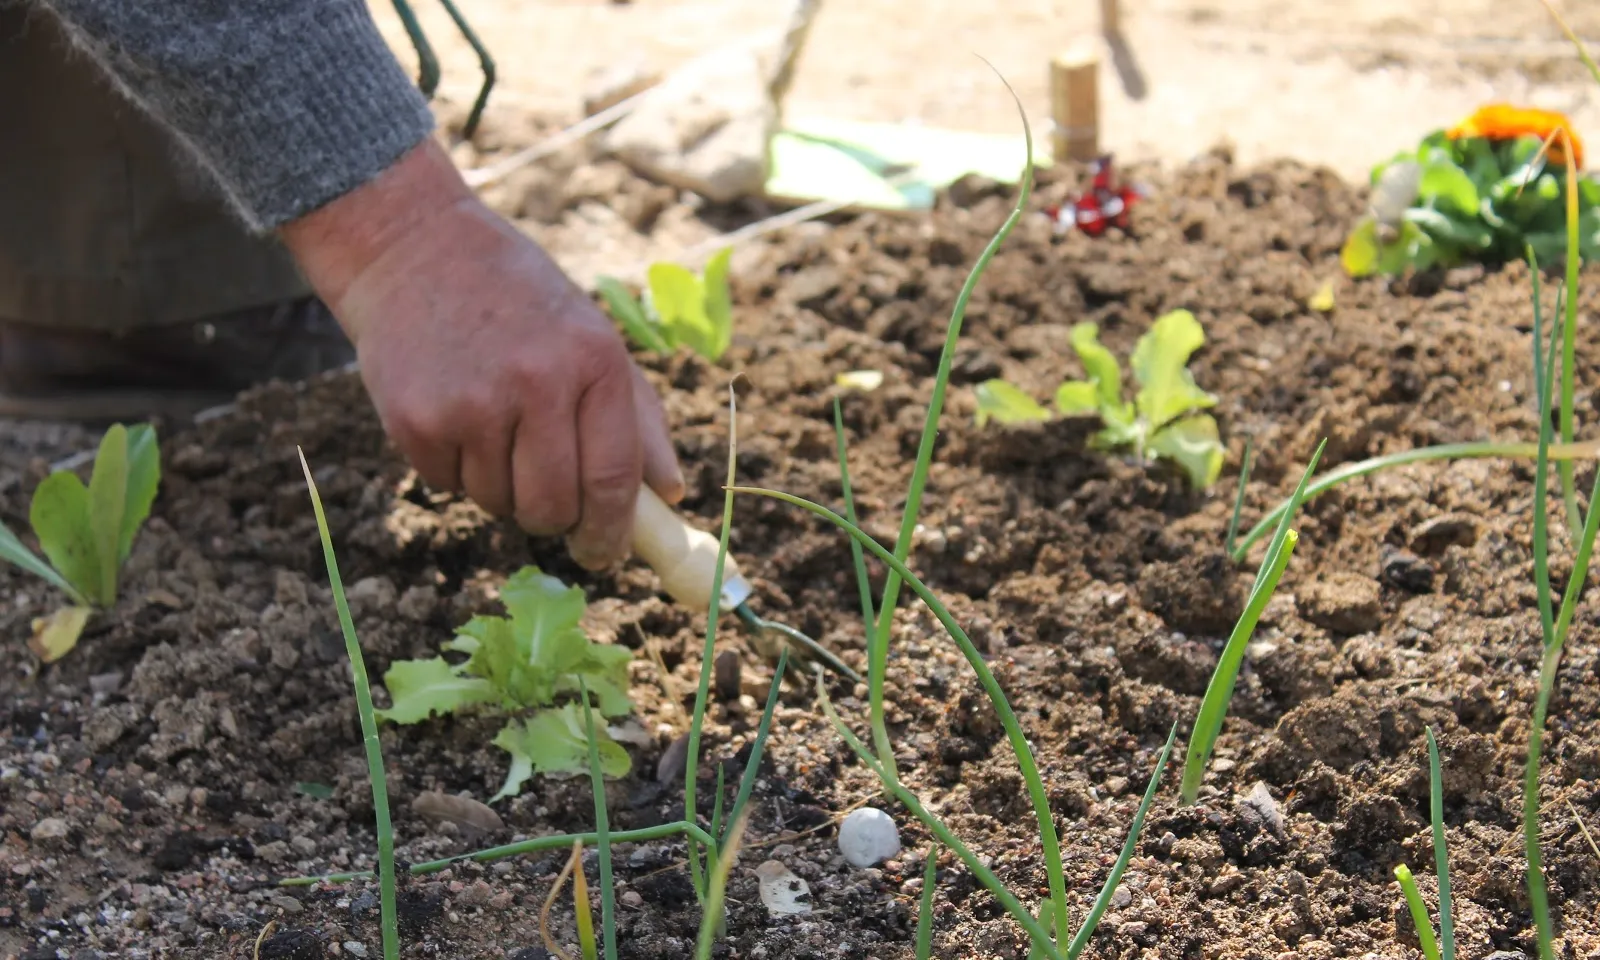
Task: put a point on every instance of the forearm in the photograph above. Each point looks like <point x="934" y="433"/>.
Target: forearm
<point x="289" y="104"/>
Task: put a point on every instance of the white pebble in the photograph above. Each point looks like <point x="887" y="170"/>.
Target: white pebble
<point x="868" y="836"/>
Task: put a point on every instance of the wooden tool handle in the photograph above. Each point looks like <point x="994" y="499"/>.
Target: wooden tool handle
<point x="684" y="557"/>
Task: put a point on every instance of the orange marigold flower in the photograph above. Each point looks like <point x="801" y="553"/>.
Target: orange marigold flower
<point x="1502" y="121"/>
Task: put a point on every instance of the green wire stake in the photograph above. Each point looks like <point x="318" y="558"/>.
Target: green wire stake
<point x="428" y="61"/>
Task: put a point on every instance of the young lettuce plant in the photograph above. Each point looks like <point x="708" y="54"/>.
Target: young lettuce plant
<point x="679" y="309"/>
<point x="1165" y="418"/>
<point x="521" y="664"/>
<point x="87" y="533"/>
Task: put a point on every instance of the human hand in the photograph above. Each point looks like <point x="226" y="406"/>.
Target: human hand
<point x="489" y="368"/>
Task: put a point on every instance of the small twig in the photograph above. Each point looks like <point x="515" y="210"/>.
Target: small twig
<point x="549" y="901"/>
<point x="480" y="177"/>
<point x="266" y="932"/>
<point x="1579" y="821"/>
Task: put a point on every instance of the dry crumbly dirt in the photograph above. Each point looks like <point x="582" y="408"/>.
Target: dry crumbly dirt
<point x="147" y="785"/>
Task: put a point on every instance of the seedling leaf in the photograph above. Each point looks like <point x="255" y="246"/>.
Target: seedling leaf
<point x="108" y="503"/>
<point x="421" y="688"/>
<point x="1004" y="403"/>
<point x="1098" y="362"/>
<point x="553" y="741"/>
<point x="630" y="314"/>
<point x="55" y="636"/>
<point x="1195" y="445"/>
<point x="678" y="298"/>
<point x="144" y="477"/>
<point x="14" y="552"/>
<point x="1076" y="397"/>
<point x="59" y="514"/>
<point x="718" y="302"/>
<point x="1167" y="389"/>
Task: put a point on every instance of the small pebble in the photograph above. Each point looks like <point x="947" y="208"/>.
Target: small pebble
<point x="631" y="898"/>
<point x="50" y="828"/>
<point x="288" y="904"/>
<point x="355" y="949"/>
<point x="868" y="836"/>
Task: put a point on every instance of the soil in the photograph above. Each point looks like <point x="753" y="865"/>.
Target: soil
<point x="149" y="780"/>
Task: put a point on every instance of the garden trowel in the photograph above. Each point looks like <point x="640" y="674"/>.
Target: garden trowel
<point x="685" y="559"/>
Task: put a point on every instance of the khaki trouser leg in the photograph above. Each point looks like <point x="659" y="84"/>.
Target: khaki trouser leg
<point x="104" y="223"/>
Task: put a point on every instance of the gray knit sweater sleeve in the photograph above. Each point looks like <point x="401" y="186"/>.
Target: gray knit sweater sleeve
<point x="288" y="103"/>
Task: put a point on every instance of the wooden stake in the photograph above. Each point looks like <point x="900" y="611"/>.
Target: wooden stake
<point x="1075" y="105"/>
<point x="1110" y="18"/>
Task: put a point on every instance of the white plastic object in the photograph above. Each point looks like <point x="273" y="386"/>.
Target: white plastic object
<point x="868" y="836"/>
<point x="684" y="557"/>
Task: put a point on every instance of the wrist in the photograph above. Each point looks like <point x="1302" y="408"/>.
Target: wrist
<point x="337" y="243"/>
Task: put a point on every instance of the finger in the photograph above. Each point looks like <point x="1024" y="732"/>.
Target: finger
<point x="610" y="461"/>
<point x="544" y="473"/>
<point x="438" y="464"/>
<point x="661" y="468"/>
<point x="486" y="468"/>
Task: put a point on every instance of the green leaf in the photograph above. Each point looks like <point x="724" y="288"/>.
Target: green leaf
<point x="1359" y="255"/>
<point x="420" y="688"/>
<point x="1098" y="362"/>
<point x="60" y="518"/>
<point x="144" y="478"/>
<point x="679" y="300"/>
<point x="554" y="741"/>
<point x="540" y="650"/>
<point x="1195" y="445"/>
<point x="316" y="791"/>
<point x="718" y="302"/>
<point x="1004" y="403"/>
<point x="1077" y="397"/>
<point x="1469" y="234"/>
<point x="545" y="616"/>
<point x="496" y="656"/>
<point x="1167" y="390"/>
<point x="1443" y="181"/>
<point x="630" y="315"/>
<point x="604" y="667"/>
<point x="12" y="550"/>
<point x="108" y="503"/>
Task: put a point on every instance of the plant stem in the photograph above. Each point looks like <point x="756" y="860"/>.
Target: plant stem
<point x="1419" y="912"/>
<point x="712" y="918"/>
<point x="1441" y="855"/>
<point x="863" y="581"/>
<point x="369" y="727"/>
<point x="1238" y="499"/>
<point x="708" y="653"/>
<point x="930" y="876"/>
<point x="1449" y="451"/>
<point x="1103" y="901"/>
<point x="1219" y="692"/>
<point x="1569" y="342"/>
<point x="878" y="642"/>
<point x="522" y="848"/>
<point x="1036" y="932"/>
<point x="752" y="767"/>
<point x="602" y="825"/>
<point x="1048" y="839"/>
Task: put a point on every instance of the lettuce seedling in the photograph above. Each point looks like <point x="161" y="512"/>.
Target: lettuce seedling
<point x="679" y="309"/>
<point x="87" y="533"/>
<point x="521" y="665"/>
<point x="1164" y="418"/>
